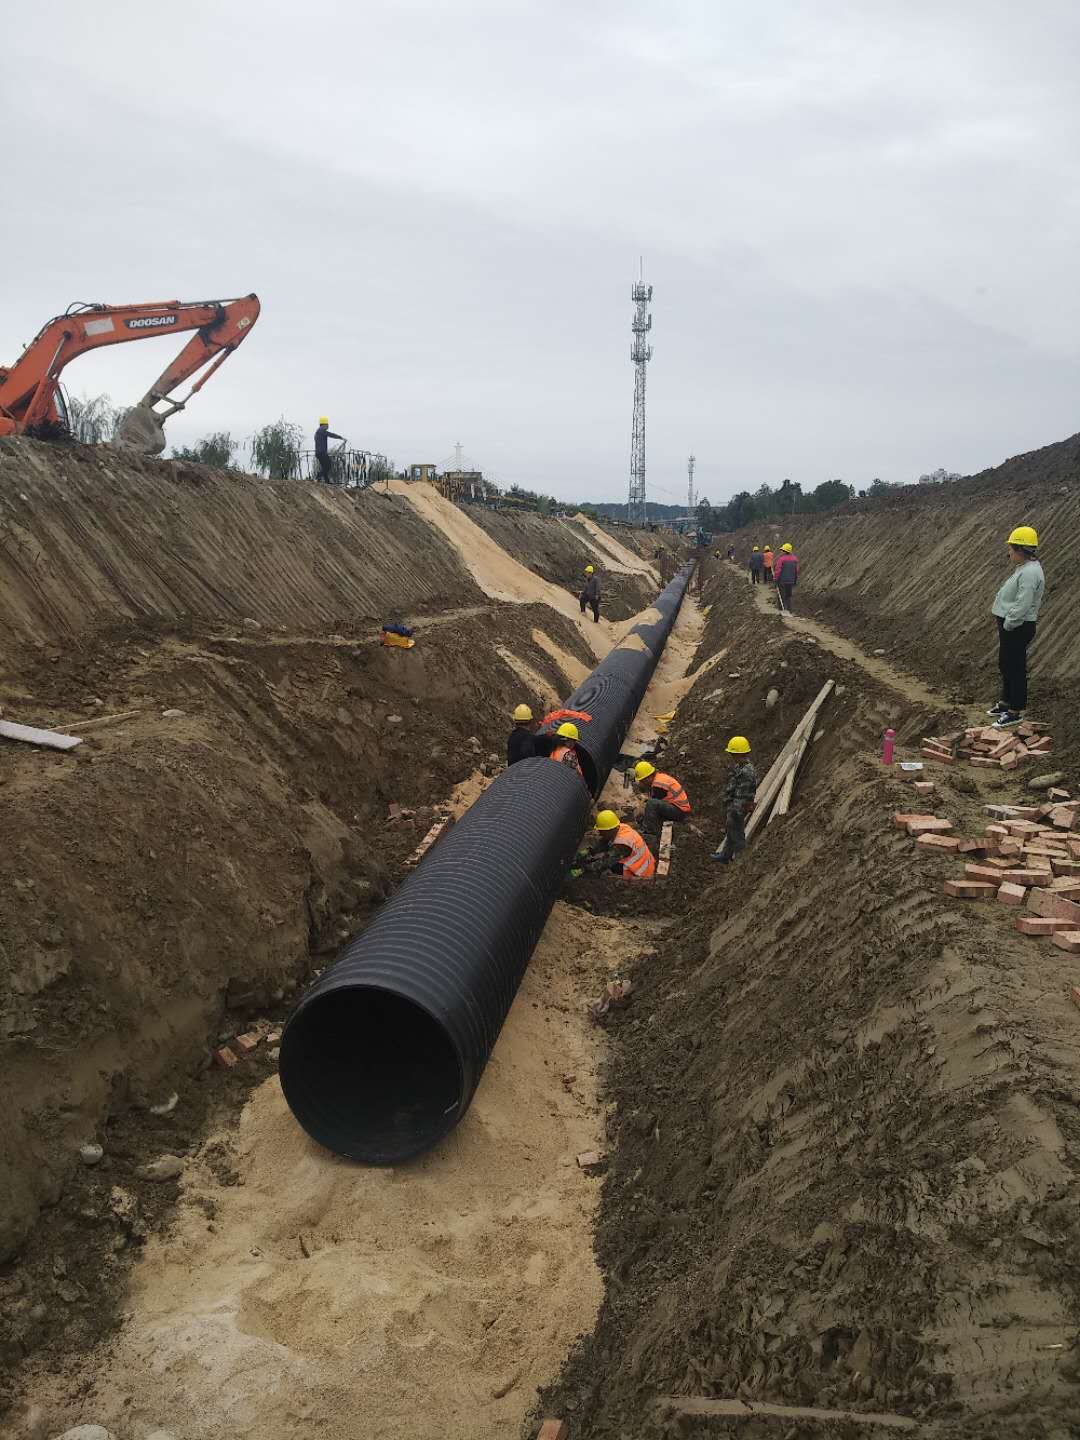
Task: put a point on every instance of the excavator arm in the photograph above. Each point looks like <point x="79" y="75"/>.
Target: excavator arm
<point x="28" y="391"/>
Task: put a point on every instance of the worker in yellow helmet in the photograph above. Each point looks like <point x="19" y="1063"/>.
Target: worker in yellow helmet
<point x="522" y="742"/>
<point x="590" y="594"/>
<point x="1016" y="609"/>
<point x="667" y="799"/>
<point x="756" y="566"/>
<point x="618" y="849"/>
<point x="564" y="751"/>
<point x="786" y="574"/>
<point x="322" y="457"/>
<point x="739" y="796"/>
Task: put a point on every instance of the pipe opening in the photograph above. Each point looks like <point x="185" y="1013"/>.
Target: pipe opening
<point x="371" y="1075"/>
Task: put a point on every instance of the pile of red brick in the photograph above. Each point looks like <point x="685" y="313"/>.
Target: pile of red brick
<point x="1028" y="854"/>
<point x="994" y="749"/>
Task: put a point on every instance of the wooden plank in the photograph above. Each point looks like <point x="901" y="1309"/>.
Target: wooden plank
<point x="663" y="854"/>
<point x="429" y="840"/>
<point x="735" y="1409"/>
<point x="51" y="739"/>
<point x="98" y="721"/>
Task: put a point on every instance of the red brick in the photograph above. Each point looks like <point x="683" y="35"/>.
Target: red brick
<point x="1011" y="894"/>
<point x="983" y="872"/>
<point x="1023" y="877"/>
<point x="225" y="1058"/>
<point x="1065" y="885"/>
<point x="1056" y="794"/>
<point x="554" y="1430"/>
<point x="1040" y="925"/>
<point x="972" y="847"/>
<point x="937" y="756"/>
<point x="996" y="831"/>
<point x="1063" y="817"/>
<point x="1009" y="763"/>
<point x="927" y="825"/>
<point x="1074" y="848"/>
<point x="1046" y="903"/>
<point x="970" y="889"/>
<point x="1066" y="867"/>
<point x="246" y="1043"/>
<point x="1024" y="829"/>
<point x="998" y="863"/>
<point x="985" y="762"/>
<point x="1067" y="940"/>
<point x="938" y="842"/>
<point x="903" y="819"/>
<point x="923" y="786"/>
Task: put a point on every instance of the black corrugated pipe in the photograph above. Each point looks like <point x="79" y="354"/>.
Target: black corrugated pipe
<point x="382" y="1056"/>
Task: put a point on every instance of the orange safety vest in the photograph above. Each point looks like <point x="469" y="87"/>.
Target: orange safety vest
<point x="640" y="863"/>
<point x="567" y="755"/>
<point x="767" y="557"/>
<point x="674" y="793"/>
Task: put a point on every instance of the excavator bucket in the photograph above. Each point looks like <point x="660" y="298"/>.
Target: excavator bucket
<point x="141" y="429"/>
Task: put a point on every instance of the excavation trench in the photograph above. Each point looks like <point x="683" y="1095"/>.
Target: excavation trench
<point x="288" y="1287"/>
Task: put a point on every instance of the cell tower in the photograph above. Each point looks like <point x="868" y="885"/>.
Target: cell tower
<point x="690" y="487"/>
<point x="640" y="354"/>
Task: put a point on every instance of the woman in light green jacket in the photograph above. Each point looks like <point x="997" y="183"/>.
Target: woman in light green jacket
<point x="1016" y="609"/>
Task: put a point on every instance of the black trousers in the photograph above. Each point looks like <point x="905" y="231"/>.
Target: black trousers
<point x="785" y="593"/>
<point x="755" y="577"/>
<point x="323" y="462"/>
<point x="1012" y="662"/>
<point x="593" y="605"/>
<point x="657" y="813"/>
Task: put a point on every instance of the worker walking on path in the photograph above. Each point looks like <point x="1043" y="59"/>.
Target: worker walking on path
<point x="618" y="849"/>
<point x="590" y="594"/>
<point x="787" y="574"/>
<point x="667" y="799"/>
<point x="565" y="749"/>
<point x="756" y="566"/>
<point x="522" y="743"/>
<point x="1016" y="610"/>
<point x="739" y="794"/>
<point x="767" y="564"/>
<point x="322" y="457"/>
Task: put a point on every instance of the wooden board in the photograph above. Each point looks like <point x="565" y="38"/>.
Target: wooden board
<point x="663" y="854"/>
<point x="51" y="739"/>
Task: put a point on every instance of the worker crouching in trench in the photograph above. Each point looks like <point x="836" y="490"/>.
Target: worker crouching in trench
<point x="667" y="800"/>
<point x="616" y="849"/>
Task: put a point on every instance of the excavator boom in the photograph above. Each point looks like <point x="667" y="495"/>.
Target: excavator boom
<point x="28" y="391"/>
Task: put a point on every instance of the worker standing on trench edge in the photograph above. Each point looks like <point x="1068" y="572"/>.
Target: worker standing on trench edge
<point x="786" y="572"/>
<point x="756" y="564"/>
<point x="590" y="594"/>
<point x="565" y="749"/>
<point x="667" y="799"/>
<point x="617" y="849"/>
<point x="739" y="796"/>
<point x="1016" y="609"/>
<point x="322" y="457"/>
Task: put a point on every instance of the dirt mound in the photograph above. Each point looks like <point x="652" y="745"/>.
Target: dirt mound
<point x="845" y="1149"/>
<point x="559" y="554"/>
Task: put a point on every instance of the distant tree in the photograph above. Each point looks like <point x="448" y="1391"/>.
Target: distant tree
<point x="704" y="514"/>
<point x="878" y="487"/>
<point x="831" y="493"/>
<point x="92" y="419"/>
<point x="276" y="450"/>
<point x="789" y="497"/>
<point x="216" y="450"/>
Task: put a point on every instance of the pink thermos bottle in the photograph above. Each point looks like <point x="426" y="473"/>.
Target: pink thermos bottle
<point x="887" y="746"/>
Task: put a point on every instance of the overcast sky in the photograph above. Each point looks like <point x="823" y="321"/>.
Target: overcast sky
<point x="860" y="219"/>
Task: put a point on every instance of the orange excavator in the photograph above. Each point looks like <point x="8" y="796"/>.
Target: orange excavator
<point x="32" y="403"/>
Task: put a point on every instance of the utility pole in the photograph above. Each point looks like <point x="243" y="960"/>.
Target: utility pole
<point x="690" y="488"/>
<point x="637" y="511"/>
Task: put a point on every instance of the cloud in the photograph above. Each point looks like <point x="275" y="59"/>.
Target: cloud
<point x="860" y="223"/>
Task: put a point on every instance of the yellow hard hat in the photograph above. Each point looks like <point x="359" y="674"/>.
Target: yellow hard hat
<point x="756" y="549"/>
<point x="568" y="731"/>
<point x="522" y="712"/>
<point x="590" y="570"/>
<point x="787" y="548"/>
<point x="738" y="745"/>
<point x="769" y="549"/>
<point x="1025" y="537"/>
<point x="324" y="419"/>
<point x="607" y="820"/>
<point x="642" y="770"/>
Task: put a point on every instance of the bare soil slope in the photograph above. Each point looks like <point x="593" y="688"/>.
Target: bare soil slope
<point x="846" y="1149"/>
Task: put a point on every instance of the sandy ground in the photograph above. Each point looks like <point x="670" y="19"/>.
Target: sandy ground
<point x="498" y="574"/>
<point x="432" y="1299"/>
<point x="615" y="556"/>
